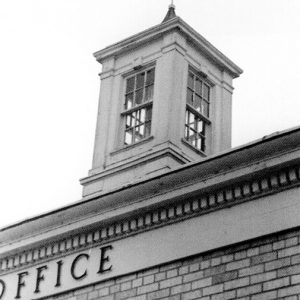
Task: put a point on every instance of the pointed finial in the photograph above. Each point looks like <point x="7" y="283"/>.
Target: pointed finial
<point x="171" y="12"/>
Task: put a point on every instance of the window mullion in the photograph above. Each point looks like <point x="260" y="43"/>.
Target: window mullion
<point x="134" y="91"/>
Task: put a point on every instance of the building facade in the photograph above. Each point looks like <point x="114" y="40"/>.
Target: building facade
<point x="169" y="210"/>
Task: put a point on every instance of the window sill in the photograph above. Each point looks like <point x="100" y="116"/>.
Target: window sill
<point x="126" y="147"/>
<point x="184" y="141"/>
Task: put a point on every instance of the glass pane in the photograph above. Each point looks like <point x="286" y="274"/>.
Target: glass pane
<point x="142" y="130"/>
<point x="191" y="81"/>
<point x="149" y="114"/>
<point x="139" y="96"/>
<point x="204" y="108"/>
<point x="128" y="121"/>
<point x="189" y="99"/>
<point x="199" y="145"/>
<point x="130" y="84"/>
<point x="186" y="131"/>
<point x="192" y="121"/>
<point x="137" y="120"/>
<point x="137" y="135"/>
<point x="148" y="129"/>
<point x="150" y="77"/>
<point x="198" y="87"/>
<point x="193" y="141"/>
<point x="140" y="80"/>
<point x="200" y="126"/>
<point x="143" y="115"/>
<point x="206" y="92"/>
<point x="128" y="137"/>
<point x="197" y="103"/>
<point x="129" y="101"/>
<point x="203" y="129"/>
<point x="192" y="135"/>
<point x="133" y="118"/>
<point x="149" y="93"/>
<point x="202" y="145"/>
<point x="186" y="117"/>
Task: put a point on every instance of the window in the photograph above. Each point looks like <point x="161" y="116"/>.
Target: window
<point x="197" y="110"/>
<point x="138" y="106"/>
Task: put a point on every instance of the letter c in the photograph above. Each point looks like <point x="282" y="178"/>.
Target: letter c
<point x="77" y="258"/>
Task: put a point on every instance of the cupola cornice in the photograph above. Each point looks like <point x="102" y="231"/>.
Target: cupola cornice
<point x="157" y="31"/>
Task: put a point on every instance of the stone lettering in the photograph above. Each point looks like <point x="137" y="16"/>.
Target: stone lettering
<point x="74" y="263"/>
<point x="58" y="274"/>
<point x="21" y="283"/>
<point x="39" y="277"/>
<point x="104" y="259"/>
<point x="2" y="288"/>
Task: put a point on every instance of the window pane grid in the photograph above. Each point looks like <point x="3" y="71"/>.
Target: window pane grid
<point x="139" y="94"/>
<point x="195" y="130"/>
<point x="138" y="125"/>
<point x="198" y="94"/>
<point x="139" y="88"/>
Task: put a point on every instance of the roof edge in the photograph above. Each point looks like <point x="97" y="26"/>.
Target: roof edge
<point x="155" y="31"/>
<point x="244" y="147"/>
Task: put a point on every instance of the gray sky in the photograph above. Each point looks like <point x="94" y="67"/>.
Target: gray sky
<point x="49" y="84"/>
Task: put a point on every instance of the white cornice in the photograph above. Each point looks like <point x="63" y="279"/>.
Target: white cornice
<point x="208" y="201"/>
<point x="157" y="31"/>
<point x="269" y="165"/>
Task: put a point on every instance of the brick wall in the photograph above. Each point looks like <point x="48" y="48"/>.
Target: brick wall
<point x="267" y="268"/>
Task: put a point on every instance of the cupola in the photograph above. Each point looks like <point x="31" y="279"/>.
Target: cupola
<point x="165" y="101"/>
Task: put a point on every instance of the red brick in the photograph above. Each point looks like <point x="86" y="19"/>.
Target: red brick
<point x="192" y="295"/>
<point x="214" y="270"/>
<point x="238" y="264"/>
<point x="255" y="260"/>
<point x="288" y="291"/>
<point x="265" y="296"/>
<point x="193" y="276"/>
<point x="224" y="296"/>
<point x="224" y="277"/>
<point x="181" y="288"/>
<point x="125" y="294"/>
<point x="126" y="286"/>
<point x="262" y="277"/>
<point x="252" y="251"/>
<point x="148" y="279"/>
<point x="194" y="267"/>
<point x="249" y="290"/>
<point x="227" y="258"/>
<point x="201" y="283"/>
<point x="289" y="251"/>
<point x="147" y="288"/>
<point x="295" y="279"/>
<point x="159" y="294"/>
<point x="276" y="264"/>
<point x="172" y="273"/>
<point x="170" y="282"/>
<point x="278" y="245"/>
<point x="276" y="284"/>
<point x="295" y="259"/>
<point x="229" y="285"/>
<point x="215" y="289"/>
<point x="265" y="248"/>
<point x="291" y="241"/>
<point x="251" y="270"/>
<point x="289" y="271"/>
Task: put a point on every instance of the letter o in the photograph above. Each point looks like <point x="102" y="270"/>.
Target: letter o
<point x="2" y="288"/>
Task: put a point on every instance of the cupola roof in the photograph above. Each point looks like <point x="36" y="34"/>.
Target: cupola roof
<point x="170" y="14"/>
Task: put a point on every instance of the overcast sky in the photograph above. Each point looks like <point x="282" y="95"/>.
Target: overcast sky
<point x="49" y="84"/>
